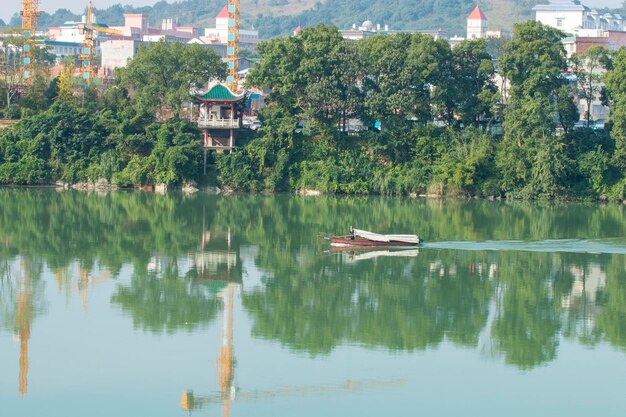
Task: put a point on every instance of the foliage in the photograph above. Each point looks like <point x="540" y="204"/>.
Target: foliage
<point x="587" y="67"/>
<point x="175" y="156"/>
<point x="391" y="115"/>
<point x="162" y="74"/>
<point x="400" y="86"/>
<point x="616" y="86"/>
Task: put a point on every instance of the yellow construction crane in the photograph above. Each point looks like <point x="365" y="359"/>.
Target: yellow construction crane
<point x="30" y="14"/>
<point x="190" y="401"/>
<point x="24" y="315"/>
<point x="232" y="46"/>
<point x="87" y="279"/>
<point x="88" y="50"/>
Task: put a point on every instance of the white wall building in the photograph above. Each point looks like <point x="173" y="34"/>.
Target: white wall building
<point x="476" y="24"/>
<point x="248" y="39"/>
<point x="577" y="19"/>
<point x="117" y="52"/>
<point x="73" y="31"/>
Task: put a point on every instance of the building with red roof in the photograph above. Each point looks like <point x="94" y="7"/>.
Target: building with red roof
<point x="476" y="24"/>
<point x="248" y="38"/>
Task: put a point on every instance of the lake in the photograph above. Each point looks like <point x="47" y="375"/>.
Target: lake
<point x="130" y="303"/>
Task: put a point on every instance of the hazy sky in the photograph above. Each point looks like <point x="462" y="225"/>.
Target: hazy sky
<point x="9" y="7"/>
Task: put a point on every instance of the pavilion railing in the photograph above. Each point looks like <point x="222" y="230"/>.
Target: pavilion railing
<point x="218" y="123"/>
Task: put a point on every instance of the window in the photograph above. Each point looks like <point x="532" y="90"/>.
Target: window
<point x="559" y="22"/>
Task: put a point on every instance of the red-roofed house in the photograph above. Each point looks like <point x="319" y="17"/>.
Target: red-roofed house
<point x="476" y="24"/>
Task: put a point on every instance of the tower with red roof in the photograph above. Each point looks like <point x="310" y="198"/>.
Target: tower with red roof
<point x="476" y="24"/>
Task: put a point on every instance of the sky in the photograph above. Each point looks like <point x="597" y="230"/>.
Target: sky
<point x="9" y="7"/>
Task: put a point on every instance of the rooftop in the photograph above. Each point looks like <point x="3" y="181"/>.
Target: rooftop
<point x="561" y="6"/>
<point x="223" y="14"/>
<point x="219" y="92"/>
<point x="61" y="43"/>
<point x="477" y="14"/>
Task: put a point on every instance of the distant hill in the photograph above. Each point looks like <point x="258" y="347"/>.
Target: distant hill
<point x="279" y="17"/>
<point x="449" y="15"/>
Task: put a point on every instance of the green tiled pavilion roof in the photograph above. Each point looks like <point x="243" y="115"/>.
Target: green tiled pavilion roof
<point x="219" y="92"/>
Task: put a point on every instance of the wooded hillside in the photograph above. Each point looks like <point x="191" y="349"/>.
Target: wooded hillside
<point x="279" y="17"/>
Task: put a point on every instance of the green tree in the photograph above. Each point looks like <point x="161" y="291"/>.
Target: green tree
<point x="615" y="81"/>
<point x="471" y="83"/>
<point x="11" y="79"/>
<point x="399" y="74"/>
<point x="534" y="60"/>
<point x="533" y="64"/>
<point x="587" y="66"/>
<point x="566" y="109"/>
<point x="163" y="74"/>
<point x="66" y="80"/>
<point x="312" y="74"/>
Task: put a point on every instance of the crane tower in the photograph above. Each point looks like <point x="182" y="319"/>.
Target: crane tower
<point x="88" y="49"/>
<point x="88" y="53"/>
<point x="232" y="46"/>
<point x="30" y="14"/>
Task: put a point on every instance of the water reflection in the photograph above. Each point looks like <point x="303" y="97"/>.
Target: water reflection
<point x="352" y="254"/>
<point x="171" y="261"/>
<point x="192" y="402"/>
<point x="225" y="360"/>
<point x="21" y="291"/>
<point x="171" y="293"/>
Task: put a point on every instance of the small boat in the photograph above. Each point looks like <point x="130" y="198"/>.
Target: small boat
<point x="359" y="237"/>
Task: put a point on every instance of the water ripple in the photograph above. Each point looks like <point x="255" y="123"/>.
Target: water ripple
<point x="608" y="246"/>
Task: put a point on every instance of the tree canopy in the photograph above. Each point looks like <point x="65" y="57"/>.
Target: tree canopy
<point x="163" y="74"/>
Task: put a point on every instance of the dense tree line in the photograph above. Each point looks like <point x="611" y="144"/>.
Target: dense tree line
<point x="436" y="119"/>
<point x="431" y="119"/>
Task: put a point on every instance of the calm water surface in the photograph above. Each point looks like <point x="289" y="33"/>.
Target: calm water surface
<point x="138" y="304"/>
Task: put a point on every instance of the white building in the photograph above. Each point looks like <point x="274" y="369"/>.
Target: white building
<point x="72" y="32"/>
<point x="248" y="39"/>
<point x="577" y="19"/>
<point x="117" y="52"/>
<point x="62" y="49"/>
<point x="136" y="27"/>
<point x="476" y="24"/>
<point x="365" y="30"/>
<point x="66" y="40"/>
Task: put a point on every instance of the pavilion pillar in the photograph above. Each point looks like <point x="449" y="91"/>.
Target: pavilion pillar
<point x="206" y="120"/>
<point x="232" y="131"/>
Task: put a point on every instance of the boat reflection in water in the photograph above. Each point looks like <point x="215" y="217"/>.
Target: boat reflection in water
<point x="354" y="254"/>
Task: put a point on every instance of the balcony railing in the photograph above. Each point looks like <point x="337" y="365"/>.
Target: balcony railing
<point x="218" y="123"/>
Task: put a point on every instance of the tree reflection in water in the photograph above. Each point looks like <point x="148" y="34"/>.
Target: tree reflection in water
<point x="520" y="304"/>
